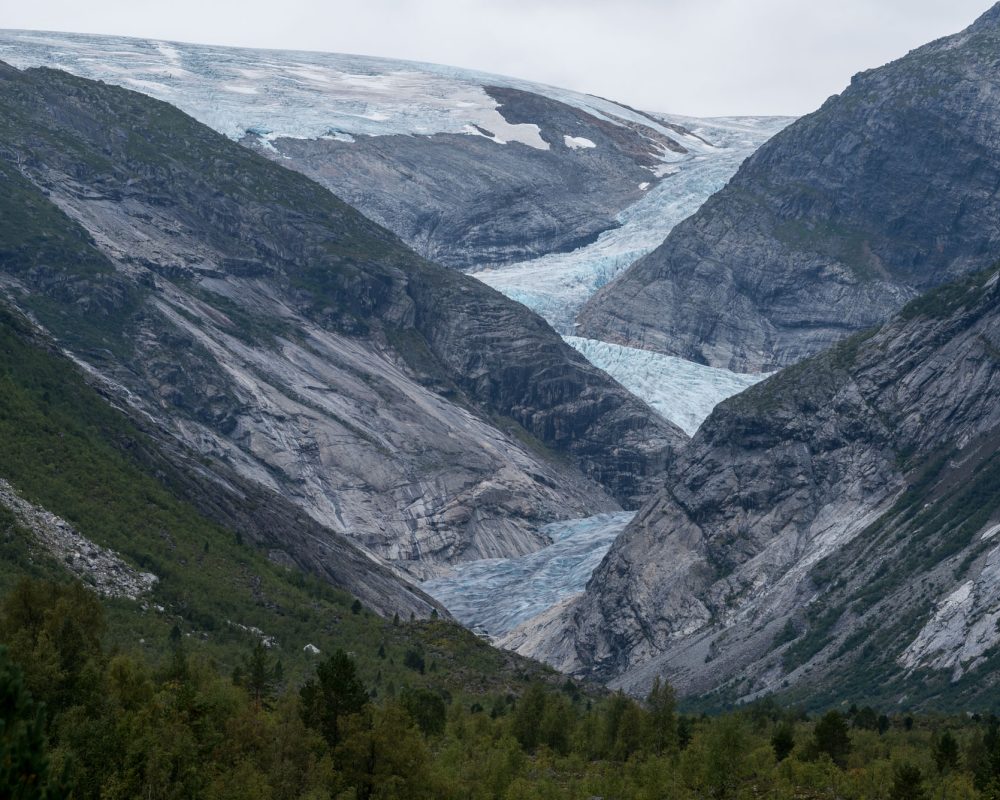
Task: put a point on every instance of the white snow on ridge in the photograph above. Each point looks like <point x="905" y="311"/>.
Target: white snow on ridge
<point x="558" y="284"/>
<point x="278" y="93"/>
<point x="681" y="391"/>
<point x="497" y="595"/>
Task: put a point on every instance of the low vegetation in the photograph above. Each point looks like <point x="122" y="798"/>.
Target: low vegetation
<point x="82" y="720"/>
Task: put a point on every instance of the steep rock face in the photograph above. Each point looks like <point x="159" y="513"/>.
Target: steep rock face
<point x="124" y="449"/>
<point x="265" y="323"/>
<point x="805" y="535"/>
<point x="886" y="191"/>
<point x="465" y="201"/>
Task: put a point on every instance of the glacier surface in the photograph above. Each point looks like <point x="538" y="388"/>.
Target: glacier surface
<point x="308" y="95"/>
<point x="498" y="594"/>
<point x="682" y="391"/>
<point x="557" y="285"/>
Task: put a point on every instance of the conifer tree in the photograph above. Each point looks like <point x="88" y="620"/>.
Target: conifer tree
<point x="333" y="694"/>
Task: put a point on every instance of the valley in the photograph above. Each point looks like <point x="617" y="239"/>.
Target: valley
<point x="318" y="113"/>
<point x="422" y="368"/>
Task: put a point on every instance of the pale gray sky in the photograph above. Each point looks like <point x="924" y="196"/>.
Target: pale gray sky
<point x="698" y="57"/>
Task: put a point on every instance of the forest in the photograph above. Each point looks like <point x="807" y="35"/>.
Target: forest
<point x="84" y="720"/>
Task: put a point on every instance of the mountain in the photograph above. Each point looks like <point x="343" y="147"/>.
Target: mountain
<point x="468" y="168"/>
<point x="828" y="534"/>
<point x="886" y="191"/>
<point x="80" y="476"/>
<point x="252" y="316"/>
<point x="544" y="194"/>
<point x="186" y="556"/>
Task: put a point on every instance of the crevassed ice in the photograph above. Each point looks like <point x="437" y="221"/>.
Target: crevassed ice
<point x="497" y="595"/>
<point x="682" y="391"/>
<point x="557" y="285"/>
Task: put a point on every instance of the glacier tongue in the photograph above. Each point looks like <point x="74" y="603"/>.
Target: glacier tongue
<point x="557" y="285"/>
<point x="682" y="391"/>
<point x="496" y="595"/>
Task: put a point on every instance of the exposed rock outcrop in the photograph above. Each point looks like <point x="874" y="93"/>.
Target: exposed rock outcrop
<point x="805" y="535"/>
<point x="887" y="190"/>
<point x="466" y="202"/>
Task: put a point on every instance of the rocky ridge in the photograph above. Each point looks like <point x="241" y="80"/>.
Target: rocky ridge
<point x="264" y="324"/>
<point x="886" y="191"/>
<point x="831" y="529"/>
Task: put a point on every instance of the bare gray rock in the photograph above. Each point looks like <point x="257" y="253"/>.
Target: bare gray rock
<point x="887" y="190"/>
<point x="832" y="523"/>
<point x="465" y="201"/>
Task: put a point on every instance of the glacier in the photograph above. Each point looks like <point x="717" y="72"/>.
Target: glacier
<point x="276" y="94"/>
<point x="308" y="95"/>
<point x="682" y="391"/>
<point x="557" y="285"/>
<point x="494" y="596"/>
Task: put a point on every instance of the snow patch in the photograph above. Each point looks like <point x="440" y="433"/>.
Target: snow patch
<point x="578" y="143"/>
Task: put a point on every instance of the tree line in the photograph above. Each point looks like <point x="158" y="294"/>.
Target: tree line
<point x="83" y="721"/>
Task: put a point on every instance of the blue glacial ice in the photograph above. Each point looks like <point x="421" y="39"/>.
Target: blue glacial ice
<point x="557" y="285"/>
<point x="496" y="595"/>
<point x="682" y="391"/>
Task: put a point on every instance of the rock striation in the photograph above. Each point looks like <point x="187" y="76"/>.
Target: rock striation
<point x="834" y="224"/>
<point x="257" y="320"/>
<point x="833" y="527"/>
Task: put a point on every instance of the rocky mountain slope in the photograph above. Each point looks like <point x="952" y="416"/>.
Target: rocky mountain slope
<point x="542" y="193"/>
<point x="831" y="529"/>
<point x="268" y="326"/>
<point x="189" y="560"/>
<point x="108" y="499"/>
<point x="887" y="190"/>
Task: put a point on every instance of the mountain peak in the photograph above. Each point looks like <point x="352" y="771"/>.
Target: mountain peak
<point x="852" y="210"/>
<point x="990" y="18"/>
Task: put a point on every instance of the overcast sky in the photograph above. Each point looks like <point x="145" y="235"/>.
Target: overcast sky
<point x="698" y="57"/>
